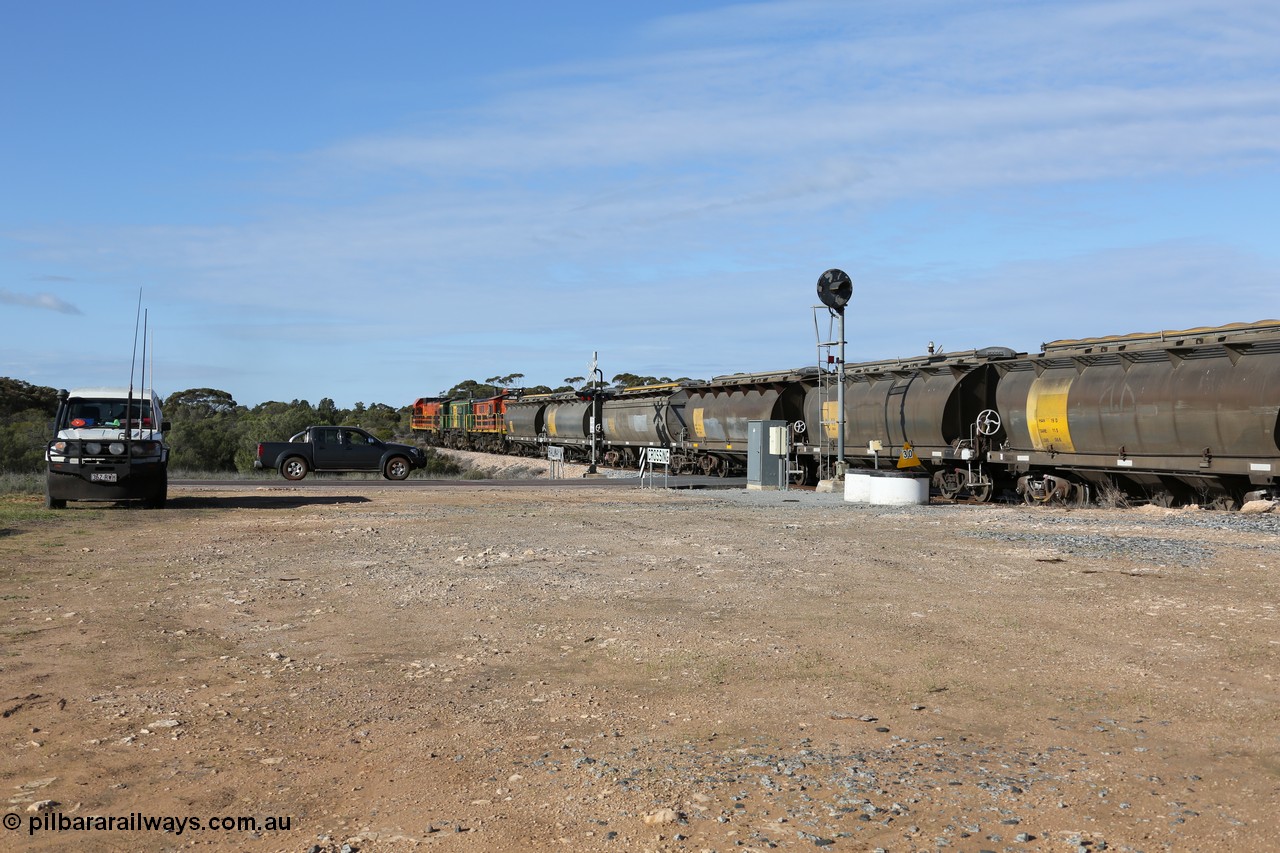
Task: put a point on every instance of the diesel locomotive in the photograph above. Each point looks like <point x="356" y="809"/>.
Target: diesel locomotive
<point x="1167" y="417"/>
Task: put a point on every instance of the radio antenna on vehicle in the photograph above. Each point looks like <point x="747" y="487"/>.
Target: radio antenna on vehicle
<point x="142" y="391"/>
<point x="133" y="363"/>
<point x="152" y="373"/>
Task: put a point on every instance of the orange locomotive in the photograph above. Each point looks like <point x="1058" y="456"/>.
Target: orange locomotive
<point x="462" y="424"/>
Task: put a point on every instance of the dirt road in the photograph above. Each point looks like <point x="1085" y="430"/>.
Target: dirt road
<point x="552" y="669"/>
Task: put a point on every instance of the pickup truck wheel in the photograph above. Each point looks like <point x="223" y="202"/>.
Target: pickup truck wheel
<point x="293" y="468"/>
<point x="54" y="503"/>
<point x="397" y="468"/>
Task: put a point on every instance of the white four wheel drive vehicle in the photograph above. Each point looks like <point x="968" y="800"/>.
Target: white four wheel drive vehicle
<point x="108" y="445"/>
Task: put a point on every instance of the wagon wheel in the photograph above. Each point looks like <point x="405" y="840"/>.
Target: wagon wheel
<point x="981" y="493"/>
<point x="952" y="483"/>
<point x="1066" y="493"/>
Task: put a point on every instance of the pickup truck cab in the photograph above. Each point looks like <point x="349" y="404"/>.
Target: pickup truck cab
<point x="338" y="448"/>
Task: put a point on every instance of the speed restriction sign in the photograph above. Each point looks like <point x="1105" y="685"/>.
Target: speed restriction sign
<point x="907" y="458"/>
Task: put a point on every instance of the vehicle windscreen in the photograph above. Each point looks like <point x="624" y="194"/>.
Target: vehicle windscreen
<point x="88" y="413"/>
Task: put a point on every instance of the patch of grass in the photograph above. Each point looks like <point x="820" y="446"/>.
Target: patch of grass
<point x="16" y="508"/>
<point x="21" y="483"/>
<point x="716" y="670"/>
<point x="187" y="474"/>
<point x="15" y="485"/>
<point x="1111" y="497"/>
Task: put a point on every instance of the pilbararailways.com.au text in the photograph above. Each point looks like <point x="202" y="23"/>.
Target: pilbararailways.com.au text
<point x="138" y="822"/>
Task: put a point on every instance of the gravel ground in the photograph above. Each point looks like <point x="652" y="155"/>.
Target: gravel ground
<point x="522" y="468"/>
<point x="601" y="669"/>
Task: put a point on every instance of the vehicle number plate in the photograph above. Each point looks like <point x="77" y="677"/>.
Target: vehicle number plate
<point x="103" y="476"/>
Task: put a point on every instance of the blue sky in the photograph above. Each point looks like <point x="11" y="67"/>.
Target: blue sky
<point x="371" y="202"/>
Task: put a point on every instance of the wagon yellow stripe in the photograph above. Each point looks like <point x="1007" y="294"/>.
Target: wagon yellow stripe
<point x="1047" y="414"/>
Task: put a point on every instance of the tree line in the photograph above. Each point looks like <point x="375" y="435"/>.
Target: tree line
<point x="209" y="431"/>
<point x="471" y="389"/>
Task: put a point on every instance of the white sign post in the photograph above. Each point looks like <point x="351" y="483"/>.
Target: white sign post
<point x="555" y="456"/>
<point x="651" y="456"/>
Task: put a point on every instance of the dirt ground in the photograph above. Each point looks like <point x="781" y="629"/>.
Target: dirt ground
<point x="551" y="668"/>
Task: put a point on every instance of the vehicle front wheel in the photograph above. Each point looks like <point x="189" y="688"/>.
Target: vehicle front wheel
<point x="293" y="468"/>
<point x="159" y="495"/>
<point x="54" y="503"/>
<point x="397" y="468"/>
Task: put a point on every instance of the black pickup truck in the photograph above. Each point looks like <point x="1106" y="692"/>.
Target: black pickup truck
<point x="333" y="448"/>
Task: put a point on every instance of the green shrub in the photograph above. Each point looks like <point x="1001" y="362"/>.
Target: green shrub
<point x="22" y="483"/>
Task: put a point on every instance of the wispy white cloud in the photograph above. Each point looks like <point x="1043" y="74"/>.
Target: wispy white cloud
<point x="859" y="104"/>
<point x="43" y="301"/>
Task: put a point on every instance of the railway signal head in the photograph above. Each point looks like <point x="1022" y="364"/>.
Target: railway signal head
<point x="834" y="289"/>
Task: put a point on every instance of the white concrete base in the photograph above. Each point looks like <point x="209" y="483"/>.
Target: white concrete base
<point x="885" y="489"/>
<point x="857" y="488"/>
<point x="899" y="491"/>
